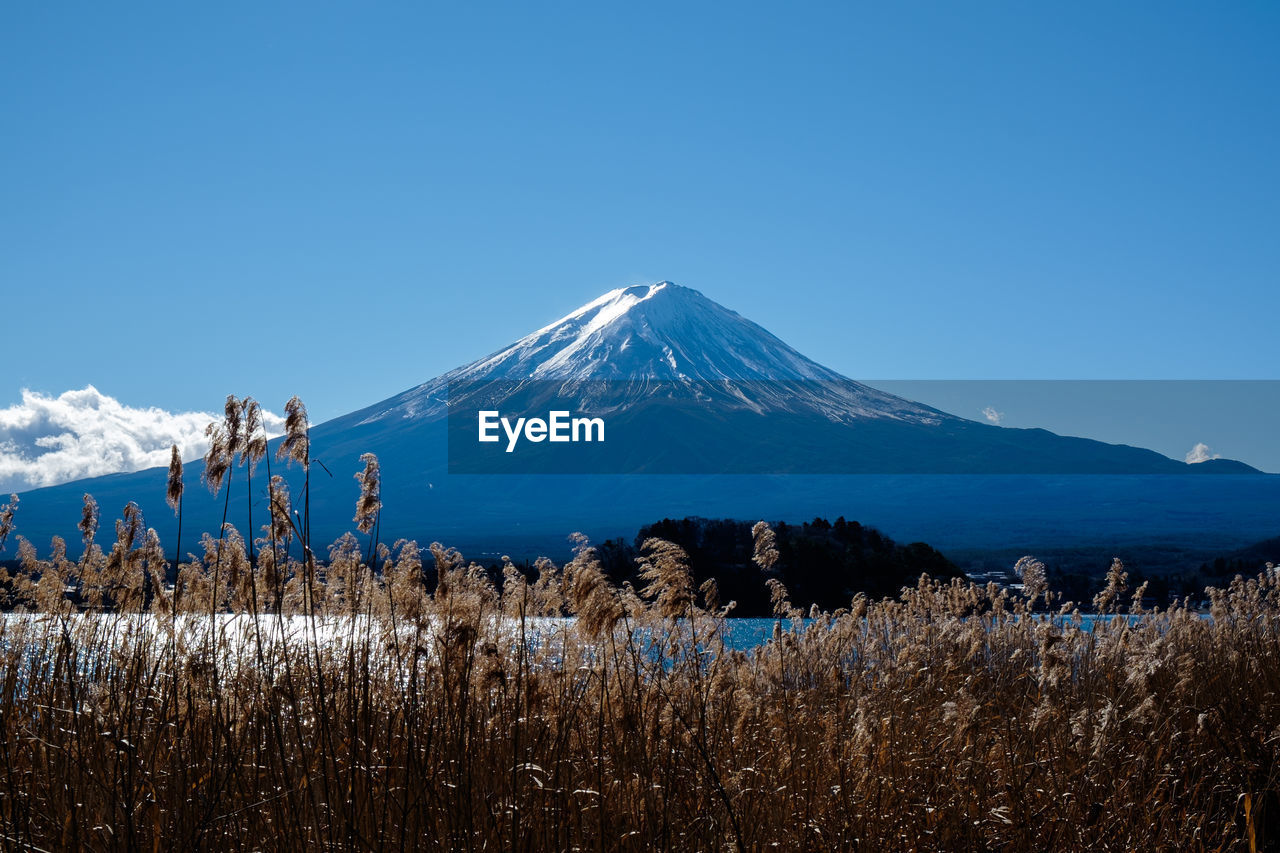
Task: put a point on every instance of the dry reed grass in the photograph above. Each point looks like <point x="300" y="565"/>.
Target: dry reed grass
<point x="350" y="708"/>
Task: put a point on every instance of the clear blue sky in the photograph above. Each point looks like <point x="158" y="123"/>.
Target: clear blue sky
<point x="343" y="201"/>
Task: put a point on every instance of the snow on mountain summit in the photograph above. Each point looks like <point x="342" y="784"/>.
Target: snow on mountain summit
<point x="652" y="332"/>
<point x="662" y="333"/>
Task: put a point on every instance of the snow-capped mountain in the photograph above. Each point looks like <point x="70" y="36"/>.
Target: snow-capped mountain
<point x="661" y="339"/>
<point x="738" y="423"/>
<point x="692" y="387"/>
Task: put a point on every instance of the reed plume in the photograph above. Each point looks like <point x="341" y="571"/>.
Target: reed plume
<point x="589" y="594"/>
<point x="1107" y="600"/>
<point x="255" y="437"/>
<point x="369" y="503"/>
<point x="766" y="551"/>
<point x="296" y="445"/>
<point x="280" y="511"/>
<point x="1035" y="581"/>
<point x="88" y="520"/>
<point x="217" y="459"/>
<point x="174" y="486"/>
<point x="233" y="425"/>
<point x="665" y="567"/>
<point x="6" y="519"/>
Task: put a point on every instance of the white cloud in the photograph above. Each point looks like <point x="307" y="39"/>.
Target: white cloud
<point x="992" y="415"/>
<point x="1201" y="453"/>
<point x="46" y="440"/>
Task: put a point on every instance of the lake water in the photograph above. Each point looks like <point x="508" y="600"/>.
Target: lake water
<point x="741" y="634"/>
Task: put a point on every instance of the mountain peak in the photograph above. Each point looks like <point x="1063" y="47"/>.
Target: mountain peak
<point x="608" y="307"/>
<point x="648" y="334"/>
<point x="668" y="288"/>
<point x="643" y="291"/>
<point x="661" y="331"/>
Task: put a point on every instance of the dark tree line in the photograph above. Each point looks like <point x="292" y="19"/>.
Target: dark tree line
<point x="820" y="562"/>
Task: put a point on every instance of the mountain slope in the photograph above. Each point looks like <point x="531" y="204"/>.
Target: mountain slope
<point x="660" y="335"/>
<point x="703" y="391"/>
<point x="692" y="387"/>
